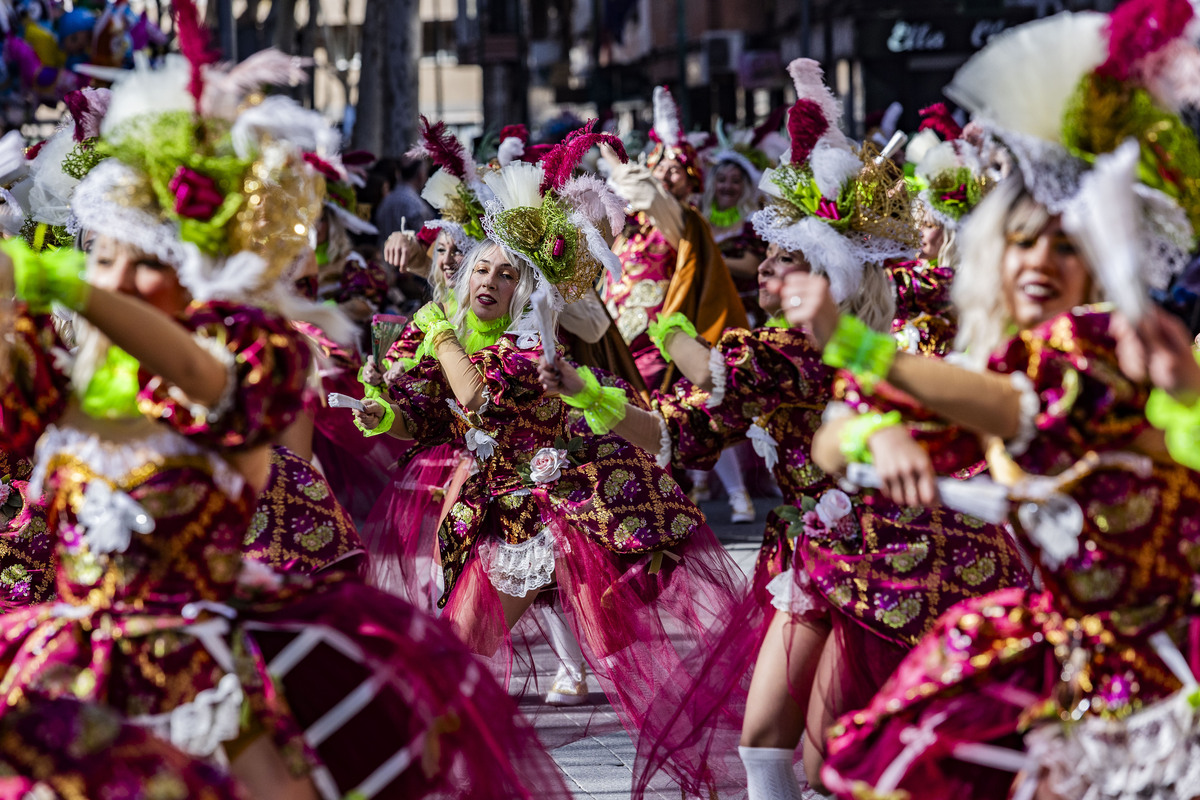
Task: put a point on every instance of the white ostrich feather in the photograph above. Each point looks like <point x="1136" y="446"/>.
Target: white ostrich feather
<point x="666" y="117"/>
<point x="351" y="222"/>
<point x="143" y="91"/>
<point x="516" y="186"/>
<point x="592" y="198"/>
<point x="510" y="150"/>
<point x="809" y="80"/>
<point x="280" y="118"/>
<point x="597" y="246"/>
<point x="1023" y="78"/>
<point x="939" y="158"/>
<point x="1103" y="218"/>
<point x="232" y="278"/>
<point x="440" y="187"/>
<point x="832" y="167"/>
<point x="920" y="144"/>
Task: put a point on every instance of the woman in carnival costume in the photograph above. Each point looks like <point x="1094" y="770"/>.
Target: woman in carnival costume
<point x="839" y="595"/>
<point x="150" y="448"/>
<point x="949" y="179"/>
<point x="631" y="556"/>
<point x="1079" y="686"/>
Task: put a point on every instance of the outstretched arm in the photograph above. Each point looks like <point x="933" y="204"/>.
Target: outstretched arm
<point x="637" y="426"/>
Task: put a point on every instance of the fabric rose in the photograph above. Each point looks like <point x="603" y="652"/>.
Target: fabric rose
<point x="547" y="464"/>
<point x="480" y="443"/>
<point x="832" y="506"/>
<point x="5" y="491"/>
<point x="196" y="195"/>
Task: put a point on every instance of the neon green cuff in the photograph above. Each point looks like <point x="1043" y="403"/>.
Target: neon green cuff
<point x="48" y="276"/>
<point x="602" y="406"/>
<point x="112" y="392"/>
<point x="385" y="424"/>
<point x="857" y="432"/>
<point x="373" y="392"/>
<point x="1180" y="423"/>
<point x="855" y="347"/>
<point x="663" y="328"/>
<point x="429" y="315"/>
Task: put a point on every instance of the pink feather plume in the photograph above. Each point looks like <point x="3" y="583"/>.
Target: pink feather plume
<point x="806" y="125"/>
<point x="443" y="148"/>
<point x="560" y="162"/>
<point x="87" y="107"/>
<point x="1140" y="28"/>
<point x="937" y="117"/>
<point x="195" y="42"/>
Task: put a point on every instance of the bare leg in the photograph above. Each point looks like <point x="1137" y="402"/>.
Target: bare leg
<point x="515" y="607"/>
<point x="788" y="658"/>
<point x="827" y="703"/>
<point x="260" y="768"/>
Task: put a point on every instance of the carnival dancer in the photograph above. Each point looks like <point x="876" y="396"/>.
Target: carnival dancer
<point x="825" y="624"/>
<point x="152" y="446"/>
<point x="669" y="261"/>
<point x="1078" y="685"/>
<point x="631" y="556"/>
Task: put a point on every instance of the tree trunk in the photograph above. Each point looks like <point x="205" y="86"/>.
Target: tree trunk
<point x="387" y="110"/>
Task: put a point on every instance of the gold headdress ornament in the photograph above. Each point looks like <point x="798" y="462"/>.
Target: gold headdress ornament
<point x="843" y="207"/>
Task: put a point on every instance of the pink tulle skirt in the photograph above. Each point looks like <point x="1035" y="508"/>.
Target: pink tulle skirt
<point x="638" y="619"/>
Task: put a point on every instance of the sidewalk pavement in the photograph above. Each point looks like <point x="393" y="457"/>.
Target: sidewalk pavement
<point x="599" y="766"/>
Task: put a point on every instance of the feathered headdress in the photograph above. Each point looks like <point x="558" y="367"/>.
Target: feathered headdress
<point x="670" y="141"/>
<point x="454" y="189"/>
<point x="206" y="173"/>
<point x="513" y="139"/>
<point x="548" y="218"/>
<point x="830" y="201"/>
<point x="1063" y="92"/>
<point x="738" y="150"/>
<point x="949" y="177"/>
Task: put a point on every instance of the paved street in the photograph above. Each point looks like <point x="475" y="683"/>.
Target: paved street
<point x="599" y="766"/>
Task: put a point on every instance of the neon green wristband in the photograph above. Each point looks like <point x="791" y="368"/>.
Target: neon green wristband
<point x="857" y="432"/>
<point x="663" y="328"/>
<point x="385" y="424"/>
<point x="48" y="276"/>
<point x="602" y="406"/>
<point x="1180" y="424"/>
<point x="868" y="354"/>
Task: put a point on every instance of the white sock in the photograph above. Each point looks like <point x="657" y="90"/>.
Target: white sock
<point x="729" y="470"/>
<point x="769" y="774"/>
<point x="563" y="641"/>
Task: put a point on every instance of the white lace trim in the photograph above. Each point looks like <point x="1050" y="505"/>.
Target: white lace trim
<point x="199" y="727"/>
<point x="665" y="448"/>
<point x="1030" y="404"/>
<point x="517" y="569"/>
<point x="718" y="374"/>
<point x="792" y="591"/>
<point x="116" y="460"/>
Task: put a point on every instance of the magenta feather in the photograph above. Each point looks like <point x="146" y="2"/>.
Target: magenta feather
<point x="195" y="42"/>
<point x="87" y="107"/>
<point x="806" y="125"/>
<point x="938" y="119"/>
<point x="443" y="148"/>
<point x="1139" y="28"/>
<point x="560" y="162"/>
<point x="515" y="132"/>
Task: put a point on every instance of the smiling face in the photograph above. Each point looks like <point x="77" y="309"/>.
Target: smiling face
<point x="447" y="257"/>
<point x="674" y="178"/>
<point x="123" y="268"/>
<point x="728" y="184"/>
<point x="1043" y="274"/>
<point x="778" y="263"/>
<point x="493" y="281"/>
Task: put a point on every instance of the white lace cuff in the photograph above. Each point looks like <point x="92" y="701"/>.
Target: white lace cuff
<point x="517" y="569"/>
<point x="718" y="376"/>
<point x="1030" y="404"/>
<point x="199" y="727"/>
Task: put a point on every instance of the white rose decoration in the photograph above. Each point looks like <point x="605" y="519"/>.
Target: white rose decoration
<point x="547" y="464"/>
<point x="832" y="506"/>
